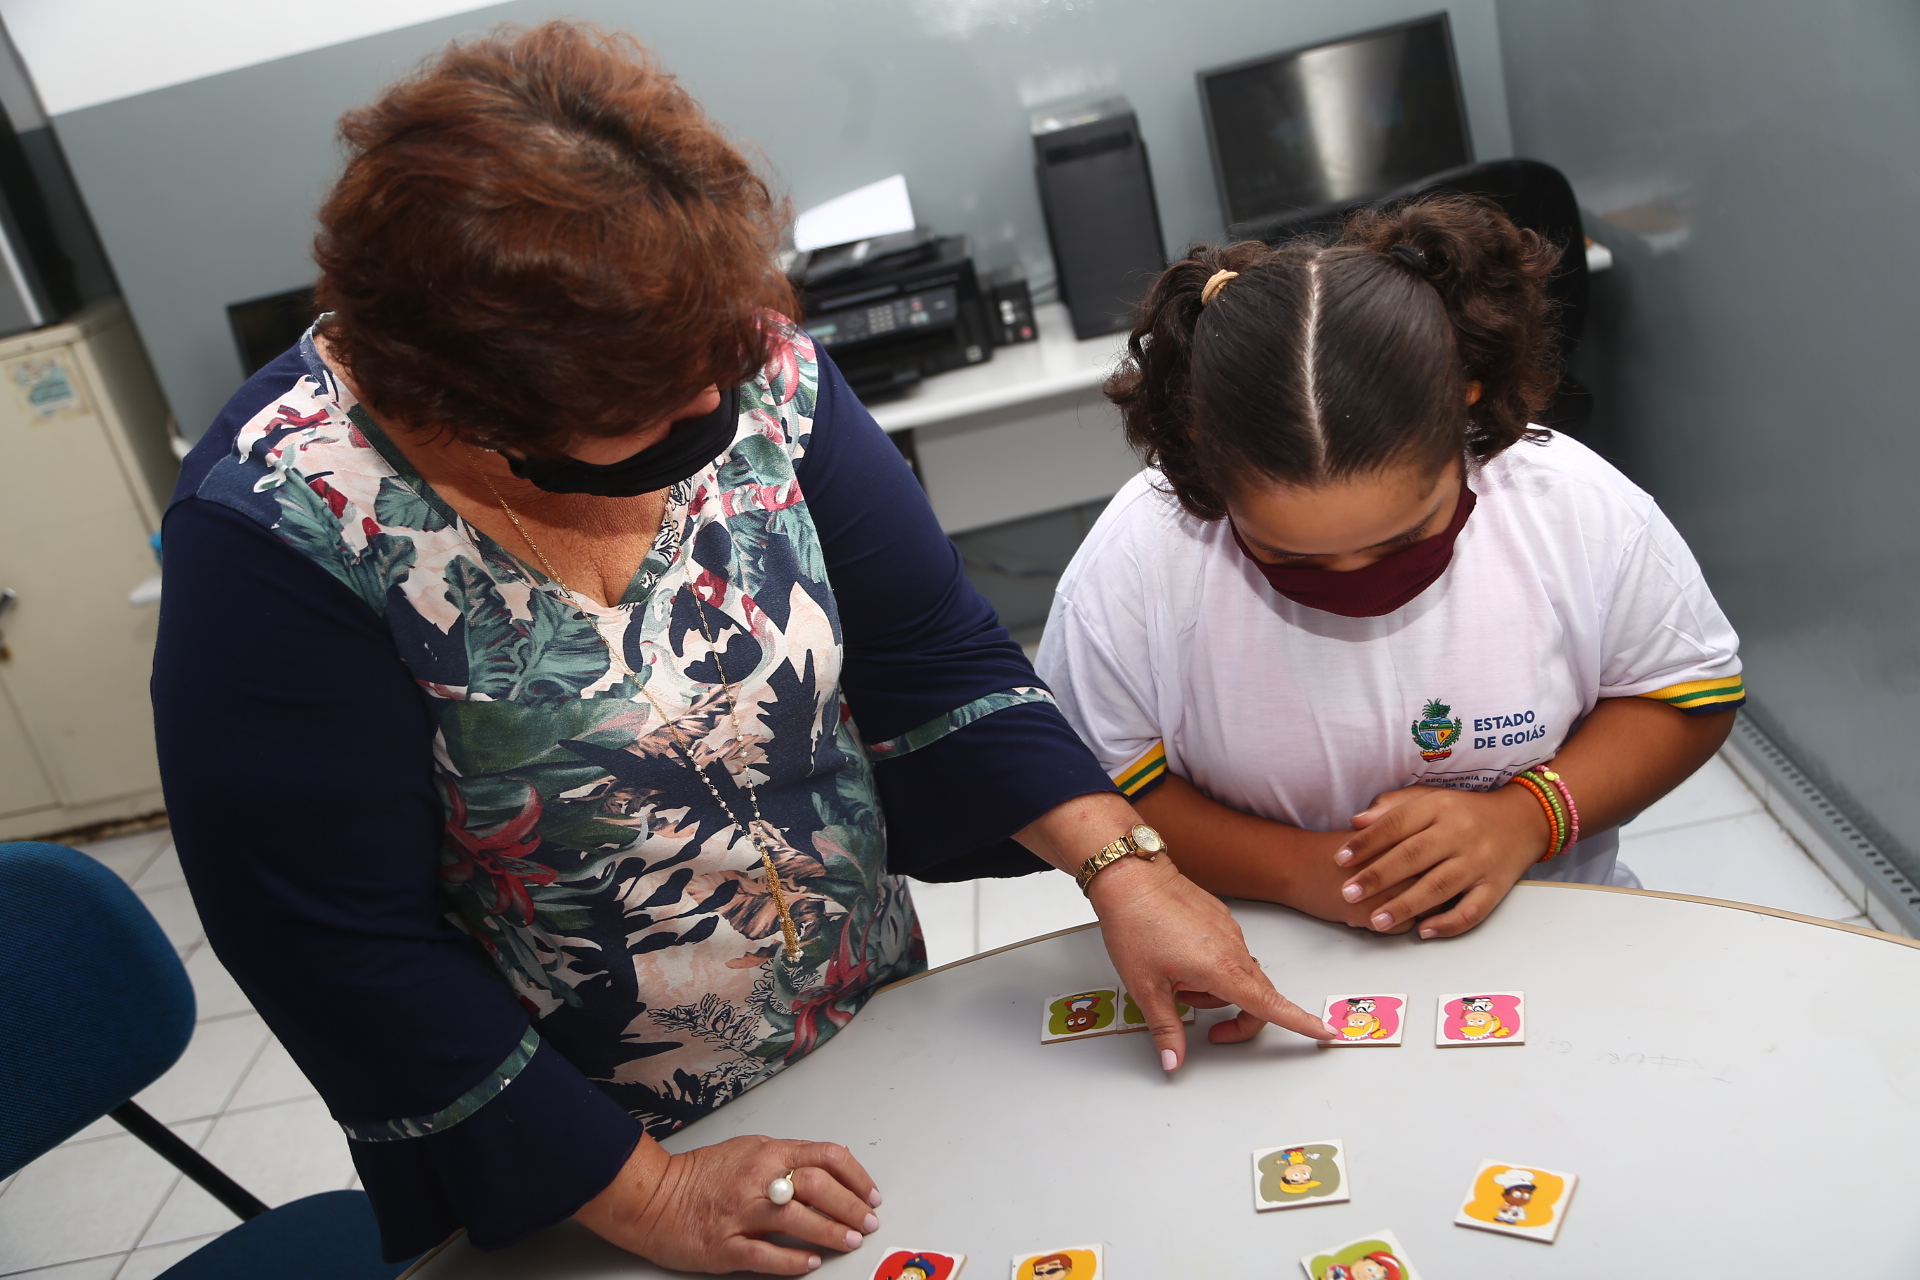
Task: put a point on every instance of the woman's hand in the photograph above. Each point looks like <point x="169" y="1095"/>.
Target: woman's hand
<point x="1167" y="936"/>
<point x="707" y="1210"/>
<point x="1439" y="844"/>
<point x="1173" y="942"/>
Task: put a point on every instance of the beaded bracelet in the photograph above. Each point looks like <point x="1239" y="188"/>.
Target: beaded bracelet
<point x="1563" y="816"/>
<point x="1573" y="810"/>
<point x="1541" y="794"/>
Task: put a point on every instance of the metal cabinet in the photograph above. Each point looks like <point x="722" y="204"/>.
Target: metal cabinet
<point x="85" y="468"/>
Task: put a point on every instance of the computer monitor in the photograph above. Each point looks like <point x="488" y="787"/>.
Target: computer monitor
<point x="1335" y="123"/>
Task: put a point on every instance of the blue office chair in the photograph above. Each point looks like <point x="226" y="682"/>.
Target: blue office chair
<point x="100" y="1008"/>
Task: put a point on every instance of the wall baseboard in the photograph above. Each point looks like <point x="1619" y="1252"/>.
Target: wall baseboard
<point x="1865" y="875"/>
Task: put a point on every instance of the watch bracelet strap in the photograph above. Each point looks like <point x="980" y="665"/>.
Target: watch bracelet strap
<point x="1108" y="855"/>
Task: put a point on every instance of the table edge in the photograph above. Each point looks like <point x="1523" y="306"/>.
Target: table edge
<point x="1843" y="927"/>
<point x="1824" y="923"/>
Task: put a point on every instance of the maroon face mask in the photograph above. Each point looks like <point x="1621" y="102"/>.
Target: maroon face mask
<point x="1378" y="589"/>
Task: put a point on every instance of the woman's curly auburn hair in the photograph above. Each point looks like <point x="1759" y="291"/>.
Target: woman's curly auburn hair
<point x="1320" y="361"/>
<point x="540" y="236"/>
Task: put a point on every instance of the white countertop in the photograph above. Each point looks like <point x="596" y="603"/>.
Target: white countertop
<point x="1055" y="364"/>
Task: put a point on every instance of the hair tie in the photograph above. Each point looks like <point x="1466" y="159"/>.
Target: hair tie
<point x="1416" y="258"/>
<point x="1215" y="283"/>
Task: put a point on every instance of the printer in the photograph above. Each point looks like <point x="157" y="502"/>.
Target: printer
<point x="894" y="309"/>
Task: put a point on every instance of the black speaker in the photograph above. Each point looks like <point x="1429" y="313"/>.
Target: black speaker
<point x="1102" y="222"/>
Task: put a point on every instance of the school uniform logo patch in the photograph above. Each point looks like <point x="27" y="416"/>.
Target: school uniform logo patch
<point x="1434" y="733"/>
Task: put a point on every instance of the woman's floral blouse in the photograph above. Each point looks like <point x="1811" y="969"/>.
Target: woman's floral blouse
<point x="624" y="912"/>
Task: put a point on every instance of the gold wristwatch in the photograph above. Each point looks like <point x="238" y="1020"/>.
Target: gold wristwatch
<point x="1141" y="842"/>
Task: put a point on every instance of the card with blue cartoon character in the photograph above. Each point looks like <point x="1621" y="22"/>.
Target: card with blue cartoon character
<point x="1517" y="1200"/>
<point x="1481" y="1017"/>
<point x="1367" y="1019"/>
<point x="1300" y="1173"/>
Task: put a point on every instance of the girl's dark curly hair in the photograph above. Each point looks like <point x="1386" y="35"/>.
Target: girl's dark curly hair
<point x="1320" y="361"/>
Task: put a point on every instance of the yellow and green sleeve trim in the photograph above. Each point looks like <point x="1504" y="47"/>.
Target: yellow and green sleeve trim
<point x="1143" y="774"/>
<point x="1703" y="697"/>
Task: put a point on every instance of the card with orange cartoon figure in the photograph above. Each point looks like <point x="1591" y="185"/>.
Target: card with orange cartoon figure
<point x="919" y="1264"/>
<point x="1482" y="1017"/>
<point x="1366" y="1019"/>
<point x="1375" y="1257"/>
<point x="1081" y="1262"/>
<point x="1079" y="1014"/>
<point x="1517" y="1200"/>
<point x="1303" y="1173"/>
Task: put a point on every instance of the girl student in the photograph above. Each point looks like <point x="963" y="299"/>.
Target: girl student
<point x="1362" y="640"/>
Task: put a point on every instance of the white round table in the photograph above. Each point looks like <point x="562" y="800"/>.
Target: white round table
<point x="1738" y="1091"/>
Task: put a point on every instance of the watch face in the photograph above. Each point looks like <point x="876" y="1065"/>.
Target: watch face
<point x="1147" y="838"/>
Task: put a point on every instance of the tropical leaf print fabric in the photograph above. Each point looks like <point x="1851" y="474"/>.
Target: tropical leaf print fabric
<point x="629" y="915"/>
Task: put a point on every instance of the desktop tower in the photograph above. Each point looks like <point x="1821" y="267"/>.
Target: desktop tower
<point x="1102" y="222"/>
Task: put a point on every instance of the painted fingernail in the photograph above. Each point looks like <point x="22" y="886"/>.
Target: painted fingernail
<point x="1428" y="933"/>
<point x="854" y="1240"/>
<point x="873" y="1197"/>
<point x="1382" y="920"/>
<point x="1169" y="1060"/>
<point x="1353" y="893"/>
<point x="870" y="1225"/>
<point x="813" y="1262"/>
<point x="1343" y="857"/>
<point x="1333" y="1032"/>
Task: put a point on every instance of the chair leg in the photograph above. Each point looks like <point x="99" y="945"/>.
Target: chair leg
<point x="188" y="1161"/>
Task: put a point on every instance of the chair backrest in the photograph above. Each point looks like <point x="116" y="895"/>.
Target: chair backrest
<point x="1535" y="195"/>
<point x="97" y="1005"/>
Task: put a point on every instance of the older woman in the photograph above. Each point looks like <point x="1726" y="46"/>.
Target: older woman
<point x="558" y="667"/>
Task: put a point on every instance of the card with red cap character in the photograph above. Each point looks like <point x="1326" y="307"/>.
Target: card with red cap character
<point x="1366" y="1019"/>
<point x="1082" y="1262"/>
<point x="919" y="1264"/>
<point x="1304" y="1173"/>
<point x="1517" y="1200"/>
<point x="1079" y="1014"/>
<point x="1375" y="1257"/>
<point x="1482" y="1017"/>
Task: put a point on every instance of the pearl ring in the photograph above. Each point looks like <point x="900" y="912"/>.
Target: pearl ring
<point x="780" y="1190"/>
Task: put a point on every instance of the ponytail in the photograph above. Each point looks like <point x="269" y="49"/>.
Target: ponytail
<point x="1313" y="361"/>
<point x="1492" y="277"/>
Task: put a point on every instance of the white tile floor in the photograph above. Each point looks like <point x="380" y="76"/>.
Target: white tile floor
<point x="104" y="1207"/>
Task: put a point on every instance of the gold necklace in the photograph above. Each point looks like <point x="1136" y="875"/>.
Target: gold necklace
<point x="754" y="831"/>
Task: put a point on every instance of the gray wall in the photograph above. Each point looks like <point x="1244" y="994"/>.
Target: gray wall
<point x="204" y="192"/>
<point x="1753" y="166"/>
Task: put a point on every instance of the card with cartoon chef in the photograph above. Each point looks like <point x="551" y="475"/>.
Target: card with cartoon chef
<point x="1482" y="1017"/>
<point x="919" y="1264"/>
<point x="1517" y="1200"/>
<point x="1079" y="1014"/>
<point x="1366" y="1019"/>
<point x="1375" y="1257"/>
<point x="1303" y="1173"/>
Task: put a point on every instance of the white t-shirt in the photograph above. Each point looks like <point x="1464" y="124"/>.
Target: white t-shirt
<point x="1168" y="650"/>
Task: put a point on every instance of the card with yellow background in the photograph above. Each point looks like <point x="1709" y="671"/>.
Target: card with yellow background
<point x="1082" y="1262"/>
<point x="1517" y="1200"/>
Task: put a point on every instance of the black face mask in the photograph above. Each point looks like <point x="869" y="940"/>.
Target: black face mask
<point x="689" y="446"/>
